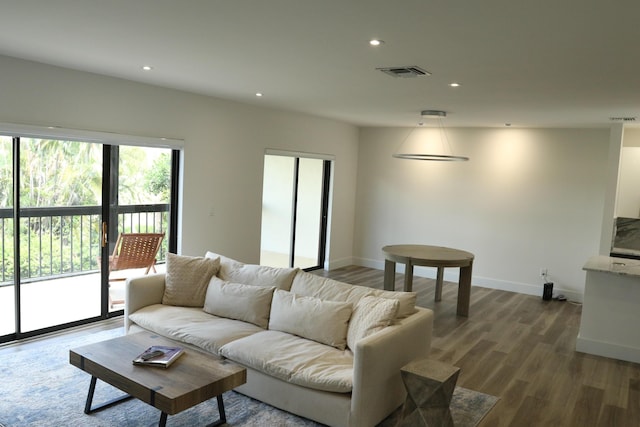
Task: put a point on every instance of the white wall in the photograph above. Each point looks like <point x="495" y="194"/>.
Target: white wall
<point x="224" y="147"/>
<point x="277" y="203"/>
<point x="527" y="199"/>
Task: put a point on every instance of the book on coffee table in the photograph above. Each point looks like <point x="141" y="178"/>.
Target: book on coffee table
<point x="159" y="356"/>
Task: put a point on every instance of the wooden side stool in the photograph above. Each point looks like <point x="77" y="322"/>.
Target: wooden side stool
<point x="430" y="385"/>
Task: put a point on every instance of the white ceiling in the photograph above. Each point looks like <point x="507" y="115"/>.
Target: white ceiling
<point x="532" y="63"/>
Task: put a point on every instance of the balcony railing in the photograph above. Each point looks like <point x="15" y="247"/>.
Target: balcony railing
<point x="65" y="241"/>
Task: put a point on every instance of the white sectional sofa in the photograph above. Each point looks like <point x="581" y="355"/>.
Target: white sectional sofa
<point x="325" y="350"/>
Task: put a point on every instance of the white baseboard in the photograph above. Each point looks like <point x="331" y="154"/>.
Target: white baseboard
<point x="452" y="275"/>
<point x="339" y="263"/>
<point x="614" y="351"/>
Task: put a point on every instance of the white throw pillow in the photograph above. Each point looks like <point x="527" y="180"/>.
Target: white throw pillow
<point x="237" y="301"/>
<point x="370" y="315"/>
<point x="312" y="318"/>
<point x="187" y="279"/>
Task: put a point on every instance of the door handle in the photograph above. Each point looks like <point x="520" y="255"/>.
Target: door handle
<point x="104" y="234"/>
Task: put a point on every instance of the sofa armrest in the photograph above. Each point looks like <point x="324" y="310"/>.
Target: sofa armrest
<point x="377" y="382"/>
<point x="140" y="292"/>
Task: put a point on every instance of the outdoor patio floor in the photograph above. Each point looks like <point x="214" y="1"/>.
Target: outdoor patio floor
<point x="53" y="302"/>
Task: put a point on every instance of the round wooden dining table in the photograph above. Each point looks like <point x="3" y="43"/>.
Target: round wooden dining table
<point x="430" y="256"/>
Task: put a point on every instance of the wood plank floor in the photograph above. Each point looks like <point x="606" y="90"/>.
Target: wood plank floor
<point x="513" y="346"/>
<point x="522" y="349"/>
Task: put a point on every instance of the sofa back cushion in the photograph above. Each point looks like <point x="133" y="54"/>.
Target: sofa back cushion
<point x="253" y="274"/>
<point x="406" y="301"/>
<point x="238" y="301"/>
<point x="187" y="279"/>
<point x="370" y="315"/>
<point x="312" y="318"/>
<point x="226" y="264"/>
<point x="311" y="285"/>
<point x="328" y="289"/>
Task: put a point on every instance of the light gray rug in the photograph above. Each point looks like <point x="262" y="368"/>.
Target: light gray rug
<point x="38" y="387"/>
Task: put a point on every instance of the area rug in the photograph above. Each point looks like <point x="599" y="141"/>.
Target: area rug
<point x="38" y="387"/>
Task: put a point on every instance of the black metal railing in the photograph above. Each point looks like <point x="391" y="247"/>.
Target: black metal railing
<point x="65" y="241"/>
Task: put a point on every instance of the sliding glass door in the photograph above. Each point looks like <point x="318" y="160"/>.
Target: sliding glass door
<point x="63" y="205"/>
<point x="294" y="211"/>
<point x="60" y="189"/>
<point x="139" y="202"/>
<point x="7" y="260"/>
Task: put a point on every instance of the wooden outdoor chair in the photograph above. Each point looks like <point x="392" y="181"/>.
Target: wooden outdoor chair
<point x="134" y="250"/>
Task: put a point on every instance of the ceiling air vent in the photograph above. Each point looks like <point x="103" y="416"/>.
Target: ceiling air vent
<point x="622" y="119"/>
<point x="409" y="71"/>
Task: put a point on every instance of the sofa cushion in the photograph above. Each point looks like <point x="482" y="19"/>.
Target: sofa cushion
<point x="192" y="325"/>
<point x="253" y="274"/>
<point x="262" y="275"/>
<point x="237" y="301"/>
<point x="328" y="289"/>
<point x="294" y="359"/>
<point x="226" y="264"/>
<point x="370" y="315"/>
<point x="312" y="318"/>
<point x="406" y="301"/>
<point x="187" y="279"/>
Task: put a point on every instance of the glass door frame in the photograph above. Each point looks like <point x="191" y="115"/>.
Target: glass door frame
<point x="105" y="213"/>
<point x="325" y="197"/>
<point x="324" y="214"/>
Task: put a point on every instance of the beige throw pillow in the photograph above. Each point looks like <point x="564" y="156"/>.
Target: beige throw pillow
<point x="237" y="301"/>
<point x="370" y="315"/>
<point x="312" y="318"/>
<point x="187" y="279"/>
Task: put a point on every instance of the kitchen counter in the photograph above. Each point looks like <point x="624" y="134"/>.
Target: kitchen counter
<point x="610" y="323"/>
<point x="606" y="264"/>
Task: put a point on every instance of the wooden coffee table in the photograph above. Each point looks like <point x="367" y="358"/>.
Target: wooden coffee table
<point x="195" y="377"/>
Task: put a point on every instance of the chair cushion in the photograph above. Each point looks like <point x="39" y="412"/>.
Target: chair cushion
<point x="311" y="318"/>
<point x="187" y="279"/>
<point x="237" y="301"/>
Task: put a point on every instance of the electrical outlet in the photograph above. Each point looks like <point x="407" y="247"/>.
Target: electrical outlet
<point x="543" y="272"/>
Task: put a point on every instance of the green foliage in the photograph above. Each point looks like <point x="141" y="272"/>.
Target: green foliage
<point x="6" y="168"/>
<point x="68" y="173"/>
<point x="158" y="179"/>
<point x="59" y="173"/>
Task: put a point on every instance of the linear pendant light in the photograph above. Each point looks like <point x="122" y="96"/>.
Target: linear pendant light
<point x="418" y="146"/>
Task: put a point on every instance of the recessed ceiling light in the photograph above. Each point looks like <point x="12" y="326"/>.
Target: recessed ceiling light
<point x="376" y="42"/>
<point x="259" y="94"/>
<point x="147" y="67"/>
<point x="507" y="124"/>
<point x="454" y="84"/>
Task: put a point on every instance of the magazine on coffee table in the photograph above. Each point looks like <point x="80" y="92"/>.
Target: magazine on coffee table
<point x="159" y="356"/>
